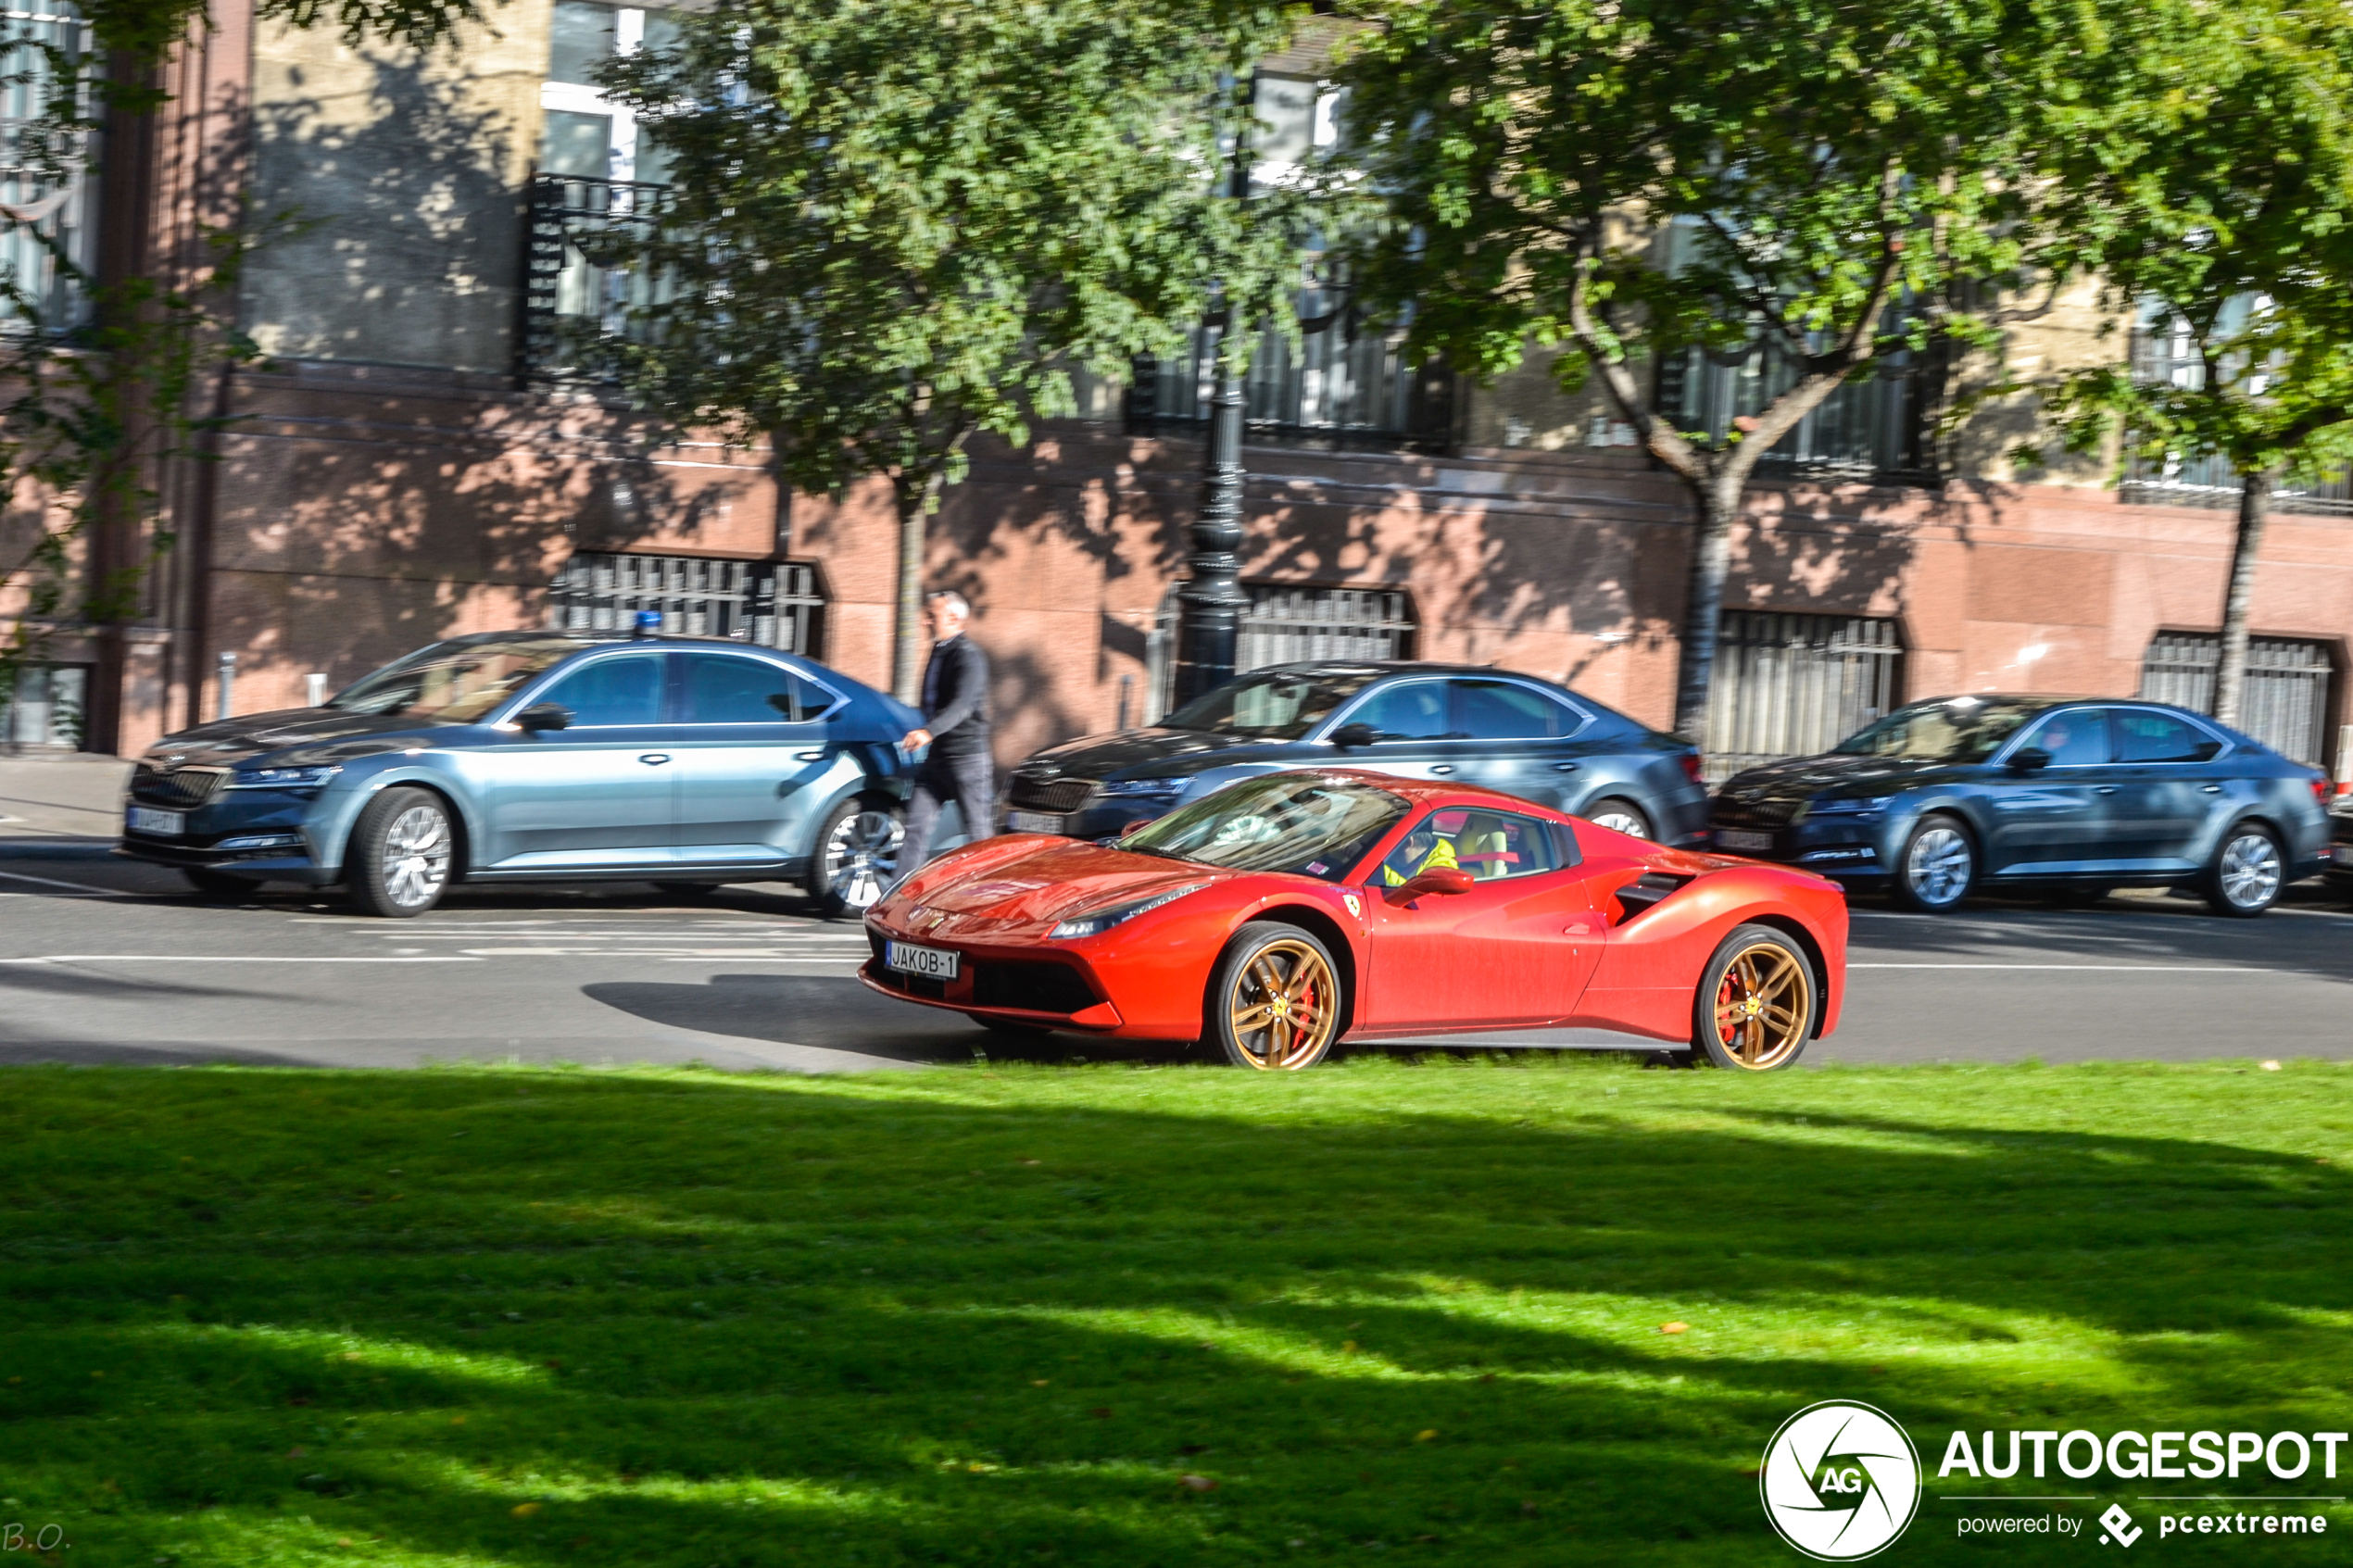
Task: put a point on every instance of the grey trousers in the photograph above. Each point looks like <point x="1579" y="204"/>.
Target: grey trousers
<point x="970" y="782"/>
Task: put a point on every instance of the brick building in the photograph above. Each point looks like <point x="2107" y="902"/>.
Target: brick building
<point x="413" y="462"/>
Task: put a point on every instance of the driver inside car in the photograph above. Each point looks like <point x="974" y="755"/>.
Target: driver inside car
<point x="1425" y="849"/>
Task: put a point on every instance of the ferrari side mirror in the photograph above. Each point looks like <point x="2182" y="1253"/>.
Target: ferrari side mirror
<point x="2033" y="759"/>
<point x="544" y="716"/>
<point x="1438" y="879"/>
<point x="1351" y="735"/>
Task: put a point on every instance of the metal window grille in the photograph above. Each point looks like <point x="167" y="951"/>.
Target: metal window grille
<point x="572" y="302"/>
<point x="2164" y="352"/>
<point x="49" y="190"/>
<point x="776" y="604"/>
<point x="1872" y="425"/>
<point x="2286" y="704"/>
<point x="1790" y="685"/>
<point x="1285" y="624"/>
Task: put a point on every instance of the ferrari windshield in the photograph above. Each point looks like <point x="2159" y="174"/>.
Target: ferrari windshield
<point x="1301" y="822"/>
<point x="1960" y="728"/>
<point x="1271" y="704"/>
<point x="454" y="682"/>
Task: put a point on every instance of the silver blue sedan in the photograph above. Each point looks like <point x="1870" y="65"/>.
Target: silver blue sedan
<point x="537" y="755"/>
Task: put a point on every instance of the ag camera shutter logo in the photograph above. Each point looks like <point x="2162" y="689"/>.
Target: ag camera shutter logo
<point x="1840" y="1481"/>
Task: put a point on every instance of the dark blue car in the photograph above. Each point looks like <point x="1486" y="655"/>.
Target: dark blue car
<point x="2070" y="797"/>
<point x="1464" y="723"/>
<point x="540" y="756"/>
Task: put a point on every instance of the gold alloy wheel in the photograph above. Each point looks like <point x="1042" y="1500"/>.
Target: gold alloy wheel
<point x="1282" y="1005"/>
<point x="1762" y="1005"/>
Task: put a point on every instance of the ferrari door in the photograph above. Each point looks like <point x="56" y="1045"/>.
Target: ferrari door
<point x="1513" y="951"/>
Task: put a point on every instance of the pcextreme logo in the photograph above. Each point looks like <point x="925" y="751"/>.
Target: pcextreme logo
<point x="1840" y="1481"/>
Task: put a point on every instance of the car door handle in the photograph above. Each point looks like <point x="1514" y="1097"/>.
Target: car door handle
<point x="2213" y="789"/>
<point x="654" y="758"/>
<point x="1565" y="767"/>
<point x="2104" y="789"/>
<point x="809" y="757"/>
<point x="1442" y="768"/>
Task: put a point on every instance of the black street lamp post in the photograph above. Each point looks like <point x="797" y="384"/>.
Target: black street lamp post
<point x="1212" y="595"/>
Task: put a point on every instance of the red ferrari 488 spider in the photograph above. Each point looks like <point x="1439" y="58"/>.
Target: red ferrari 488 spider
<point x="1288" y="910"/>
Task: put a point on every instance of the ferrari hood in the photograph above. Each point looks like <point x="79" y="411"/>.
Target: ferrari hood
<point x="1045" y="887"/>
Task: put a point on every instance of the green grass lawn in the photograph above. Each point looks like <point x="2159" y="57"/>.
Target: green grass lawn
<point x="1001" y="1315"/>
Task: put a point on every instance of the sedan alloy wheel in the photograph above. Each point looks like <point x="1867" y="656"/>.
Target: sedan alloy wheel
<point x="1939" y="865"/>
<point x="399" y="860"/>
<point x="858" y="858"/>
<point x="2247" y="873"/>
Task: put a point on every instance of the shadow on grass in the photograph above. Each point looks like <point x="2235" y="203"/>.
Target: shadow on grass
<point x="541" y="1318"/>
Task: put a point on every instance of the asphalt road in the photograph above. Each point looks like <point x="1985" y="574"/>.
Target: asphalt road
<point x="105" y="961"/>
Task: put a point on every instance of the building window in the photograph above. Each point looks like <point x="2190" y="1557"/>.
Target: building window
<point x="1793" y="686"/>
<point x="2165" y="354"/>
<point x="44" y="710"/>
<point x="1288" y="624"/>
<point x="776" y="604"/>
<point x="2286" y="704"/>
<point x="586" y="135"/>
<point x="52" y="197"/>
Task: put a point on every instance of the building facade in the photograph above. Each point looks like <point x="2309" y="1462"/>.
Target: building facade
<point x="414" y="461"/>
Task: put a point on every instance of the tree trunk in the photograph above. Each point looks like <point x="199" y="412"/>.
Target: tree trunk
<point x="1719" y="498"/>
<point x="2229" y="670"/>
<point x="918" y="496"/>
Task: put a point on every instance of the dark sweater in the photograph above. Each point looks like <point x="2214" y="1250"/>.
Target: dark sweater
<point x="956" y="682"/>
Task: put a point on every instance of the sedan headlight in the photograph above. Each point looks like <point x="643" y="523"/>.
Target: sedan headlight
<point x="1095" y="925"/>
<point x="1848" y="807"/>
<point x="282" y="778"/>
<point x="1143" y="787"/>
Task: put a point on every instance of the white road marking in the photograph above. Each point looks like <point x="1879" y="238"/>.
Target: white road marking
<point x="227" y="958"/>
<point x="75" y="886"/>
<point x="2117" y="968"/>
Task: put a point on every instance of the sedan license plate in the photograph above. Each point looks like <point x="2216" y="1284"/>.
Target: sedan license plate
<point x="168" y="824"/>
<point x="933" y="963"/>
<point x="1733" y="838"/>
<point x="1033" y="821"/>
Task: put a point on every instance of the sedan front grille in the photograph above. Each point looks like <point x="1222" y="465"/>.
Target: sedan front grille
<point x="1048" y="795"/>
<point x="1728" y="812"/>
<point x="181" y="786"/>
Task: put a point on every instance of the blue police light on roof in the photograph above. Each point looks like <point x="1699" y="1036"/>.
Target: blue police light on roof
<point x="649" y="623"/>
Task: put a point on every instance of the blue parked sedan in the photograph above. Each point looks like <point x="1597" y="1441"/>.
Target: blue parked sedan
<point x="537" y="756"/>
<point x="2067" y="796"/>
<point x="1443" y="722"/>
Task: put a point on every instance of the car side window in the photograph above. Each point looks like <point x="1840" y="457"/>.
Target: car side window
<point x="1491" y="846"/>
<point x="1507" y="711"/>
<point x="1411" y="710"/>
<point x="2075" y="738"/>
<point x="621" y="689"/>
<point x="2145" y="736"/>
<point x="723" y="689"/>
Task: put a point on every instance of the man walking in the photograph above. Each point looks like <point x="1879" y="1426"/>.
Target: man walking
<point x="961" y="767"/>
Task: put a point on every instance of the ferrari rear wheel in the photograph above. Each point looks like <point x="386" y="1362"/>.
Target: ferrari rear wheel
<point x="1274" y="1004"/>
<point x="1758" y="1001"/>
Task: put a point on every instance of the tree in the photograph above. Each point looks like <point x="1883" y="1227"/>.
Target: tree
<point x="2221" y="224"/>
<point x="892" y="225"/>
<point x="1835" y="188"/>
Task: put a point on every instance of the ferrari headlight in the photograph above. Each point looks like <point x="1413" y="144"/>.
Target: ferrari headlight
<point x="1143" y="787"/>
<point x="282" y="778"/>
<point x="1849" y="808"/>
<point x="1100" y="921"/>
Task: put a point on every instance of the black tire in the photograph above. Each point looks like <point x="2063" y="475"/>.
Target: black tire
<point x="2247" y="872"/>
<point x="1620" y="815"/>
<point x="1281" y="975"/>
<point x="854" y="857"/>
<point x="401" y="853"/>
<point x="688" y="889"/>
<point x="1757" y="1002"/>
<point x="1010" y="1028"/>
<point x="218" y="884"/>
<point x="1938" y="867"/>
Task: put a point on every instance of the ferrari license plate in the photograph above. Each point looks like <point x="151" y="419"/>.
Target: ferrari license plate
<point x="932" y="963"/>
<point x="168" y="824"/>
<point x="1733" y="838"/>
<point x="1033" y="821"/>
